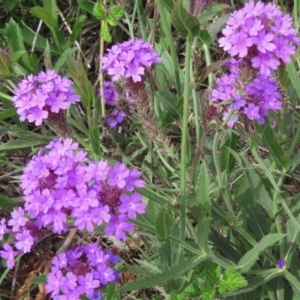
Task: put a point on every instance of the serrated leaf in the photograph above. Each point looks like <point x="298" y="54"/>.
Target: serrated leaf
<point x="164" y="277"/>
<point x="95" y="140"/>
<point x="105" y="32"/>
<point x="43" y="14"/>
<point x="208" y="292"/>
<point x="249" y="259"/>
<point x="212" y="273"/>
<point x="192" y="290"/>
<point x="117" y="12"/>
<point x="7" y="204"/>
<point x="163" y="224"/>
<point x="231" y="281"/>
<point x="98" y="12"/>
<point x="184" y="22"/>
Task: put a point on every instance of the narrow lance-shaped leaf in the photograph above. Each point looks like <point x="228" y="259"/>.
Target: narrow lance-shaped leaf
<point x="204" y="205"/>
<point x="163" y="224"/>
<point x="164" y="277"/>
<point x="249" y="259"/>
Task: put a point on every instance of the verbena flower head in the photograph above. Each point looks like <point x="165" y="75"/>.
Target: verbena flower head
<point x="129" y="59"/>
<point x="252" y="99"/>
<point x="262" y="33"/>
<point x="60" y="186"/>
<point x="110" y="95"/>
<point x="280" y="263"/>
<point x="84" y="270"/>
<point x="37" y="96"/>
<point x="115" y="117"/>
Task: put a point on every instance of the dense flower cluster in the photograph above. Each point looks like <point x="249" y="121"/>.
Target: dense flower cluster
<point x="129" y="59"/>
<point x="83" y="270"/>
<point x="37" y="96"/>
<point x="253" y="100"/>
<point x="24" y="232"/>
<point x="263" y="34"/>
<point x="110" y="97"/>
<point x="61" y="184"/>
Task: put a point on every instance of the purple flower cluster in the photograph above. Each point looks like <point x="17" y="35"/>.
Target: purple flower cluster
<point x="253" y="100"/>
<point x="263" y="34"/>
<point x="37" y="96"/>
<point x="84" y="270"/>
<point x="110" y="96"/>
<point x="60" y="186"/>
<point x="129" y="59"/>
<point x="24" y="233"/>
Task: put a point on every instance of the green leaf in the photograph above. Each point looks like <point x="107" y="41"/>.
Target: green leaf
<point x="169" y="5"/>
<point x="192" y="290"/>
<point x="212" y="274"/>
<point x="164" y="277"/>
<point x="274" y="148"/>
<point x="82" y="84"/>
<point x="255" y="184"/>
<point x="77" y="29"/>
<point x="47" y="57"/>
<point x="50" y="7"/>
<point x="105" y="32"/>
<point x="95" y="140"/>
<point x="98" y="12"/>
<point x="293" y="75"/>
<point x="204" y="37"/>
<point x="184" y="22"/>
<point x="5" y="68"/>
<point x="211" y="11"/>
<point x="44" y="15"/>
<point x="7" y="113"/>
<point x="204" y="207"/>
<point x="117" y="12"/>
<point x="163" y="224"/>
<point x="39" y="279"/>
<point x="86" y="5"/>
<point x="169" y="102"/>
<point x="15" y="39"/>
<point x="7" y="204"/>
<point x="9" y="5"/>
<point x="19" y="144"/>
<point x="208" y="292"/>
<point x="227" y="160"/>
<point x="249" y="259"/>
<point x="63" y="58"/>
<point x="255" y="217"/>
<point x="231" y="281"/>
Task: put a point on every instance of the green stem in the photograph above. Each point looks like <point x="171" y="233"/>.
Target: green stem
<point x="141" y="20"/>
<point x="208" y="63"/>
<point x="129" y="25"/>
<point x="184" y="143"/>
<point x="196" y="104"/>
<point x="168" y="33"/>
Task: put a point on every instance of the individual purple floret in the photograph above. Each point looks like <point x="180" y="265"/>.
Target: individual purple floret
<point x="280" y="263"/>
<point x="37" y="96"/>
<point x="253" y="99"/>
<point x="9" y="254"/>
<point x="61" y="186"/>
<point x="261" y="33"/>
<point x="84" y="270"/>
<point x="116" y="117"/>
<point x="129" y="59"/>
<point x="110" y="94"/>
